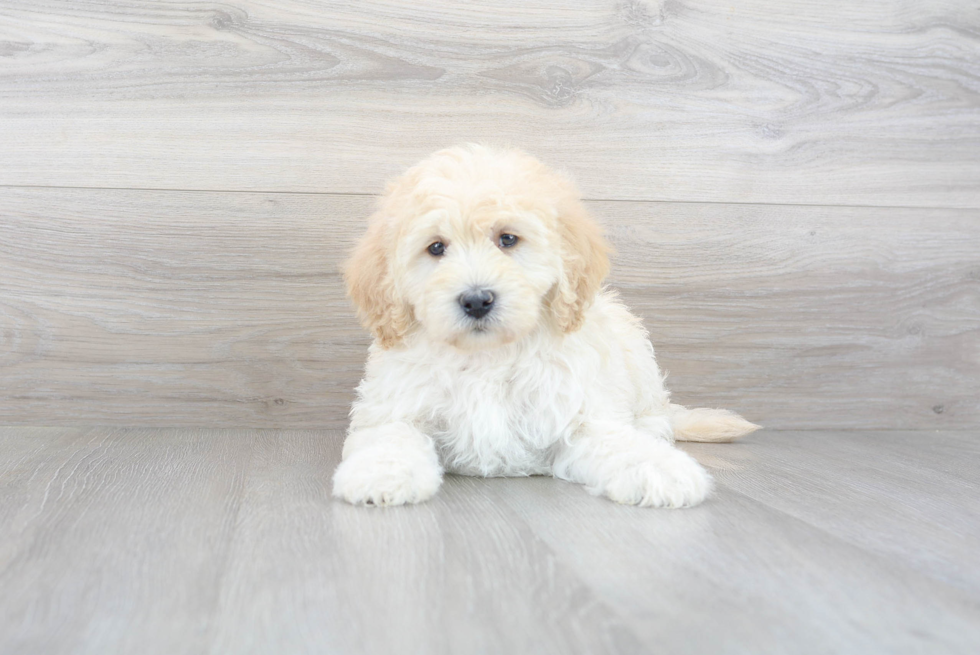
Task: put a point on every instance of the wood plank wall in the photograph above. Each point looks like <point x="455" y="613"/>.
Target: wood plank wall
<point x="793" y="189"/>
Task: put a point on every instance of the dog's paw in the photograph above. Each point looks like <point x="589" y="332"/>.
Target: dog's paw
<point x="386" y="475"/>
<point x="671" y="479"/>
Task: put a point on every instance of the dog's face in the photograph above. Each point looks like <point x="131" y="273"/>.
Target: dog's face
<point x="476" y="247"/>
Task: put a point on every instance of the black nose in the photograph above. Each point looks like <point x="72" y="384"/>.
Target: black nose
<point x="477" y="303"/>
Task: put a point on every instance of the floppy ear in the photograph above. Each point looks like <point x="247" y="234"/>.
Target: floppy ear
<point x="370" y="284"/>
<point x="585" y="261"/>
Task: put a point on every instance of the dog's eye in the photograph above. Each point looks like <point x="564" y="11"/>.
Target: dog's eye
<point x="507" y="240"/>
<point x="437" y="249"/>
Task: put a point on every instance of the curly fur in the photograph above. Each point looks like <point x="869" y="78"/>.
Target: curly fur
<point x="558" y="379"/>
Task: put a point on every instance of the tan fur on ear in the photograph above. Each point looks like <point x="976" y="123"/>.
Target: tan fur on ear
<point x="371" y="286"/>
<point x="585" y="255"/>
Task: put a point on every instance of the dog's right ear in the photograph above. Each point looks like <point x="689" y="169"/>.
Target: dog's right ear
<point x="370" y="284"/>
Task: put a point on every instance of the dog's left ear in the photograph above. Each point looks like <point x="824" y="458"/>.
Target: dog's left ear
<point x="585" y="261"/>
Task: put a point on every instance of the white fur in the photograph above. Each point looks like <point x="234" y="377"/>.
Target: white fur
<point x="517" y="394"/>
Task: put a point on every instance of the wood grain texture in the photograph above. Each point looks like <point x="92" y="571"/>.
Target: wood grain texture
<point x="311" y="574"/>
<point x="226" y="309"/>
<point x="114" y="540"/>
<point x="227" y="542"/>
<point x="832" y="102"/>
<point x="873" y="488"/>
<point x="736" y="576"/>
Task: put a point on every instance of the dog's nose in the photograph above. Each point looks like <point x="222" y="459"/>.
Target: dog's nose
<point x="477" y="303"/>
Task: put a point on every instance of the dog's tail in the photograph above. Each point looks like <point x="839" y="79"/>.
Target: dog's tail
<point x="713" y="425"/>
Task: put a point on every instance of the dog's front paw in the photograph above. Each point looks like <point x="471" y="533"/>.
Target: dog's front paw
<point x="671" y="479"/>
<point x="386" y="475"/>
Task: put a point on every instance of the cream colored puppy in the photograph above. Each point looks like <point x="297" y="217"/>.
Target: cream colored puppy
<point x="496" y="351"/>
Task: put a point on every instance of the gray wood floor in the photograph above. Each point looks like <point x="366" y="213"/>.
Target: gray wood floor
<point x="227" y="541"/>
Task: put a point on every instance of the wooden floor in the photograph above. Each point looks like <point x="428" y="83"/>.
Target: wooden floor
<point x="227" y="541"/>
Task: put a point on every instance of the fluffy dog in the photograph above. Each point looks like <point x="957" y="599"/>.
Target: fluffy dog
<point x="497" y="352"/>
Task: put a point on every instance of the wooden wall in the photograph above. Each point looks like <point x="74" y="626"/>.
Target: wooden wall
<point x="793" y="189"/>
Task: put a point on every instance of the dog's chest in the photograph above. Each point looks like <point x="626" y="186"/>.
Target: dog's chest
<point x="502" y="417"/>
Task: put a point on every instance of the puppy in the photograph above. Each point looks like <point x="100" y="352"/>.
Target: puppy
<point x="497" y="352"/>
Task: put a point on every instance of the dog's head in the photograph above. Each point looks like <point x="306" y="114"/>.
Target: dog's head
<point x="477" y="247"/>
